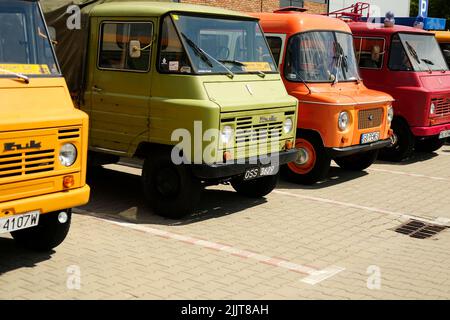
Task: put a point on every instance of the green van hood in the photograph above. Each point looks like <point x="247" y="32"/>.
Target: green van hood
<point x="248" y="95"/>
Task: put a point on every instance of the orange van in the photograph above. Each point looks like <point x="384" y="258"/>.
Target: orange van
<point x="339" y="117"/>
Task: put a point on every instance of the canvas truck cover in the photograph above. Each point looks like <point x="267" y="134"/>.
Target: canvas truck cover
<point x="72" y="37"/>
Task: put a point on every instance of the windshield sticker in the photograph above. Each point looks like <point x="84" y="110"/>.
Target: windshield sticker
<point x="257" y="66"/>
<point x="175" y="17"/>
<point x="185" y="69"/>
<point x="164" y="61"/>
<point x="25" y="68"/>
<point x="174" y="65"/>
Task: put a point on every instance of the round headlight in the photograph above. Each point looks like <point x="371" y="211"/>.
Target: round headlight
<point x="432" y="108"/>
<point x="287" y="125"/>
<point x="343" y="121"/>
<point x="67" y="154"/>
<point x="226" y="134"/>
<point x="390" y="114"/>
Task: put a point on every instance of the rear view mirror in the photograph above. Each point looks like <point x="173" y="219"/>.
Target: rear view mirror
<point x="135" y="49"/>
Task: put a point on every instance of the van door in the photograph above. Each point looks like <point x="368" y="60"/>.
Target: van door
<point x="120" y="86"/>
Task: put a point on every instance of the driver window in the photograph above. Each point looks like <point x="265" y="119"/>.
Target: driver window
<point x="275" y="44"/>
<point x="370" y="52"/>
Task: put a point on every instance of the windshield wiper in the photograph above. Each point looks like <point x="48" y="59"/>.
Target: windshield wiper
<point x="241" y="64"/>
<point x="431" y="63"/>
<point x="18" y="75"/>
<point x="412" y="52"/>
<point x="340" y="57"/>
<point x="205" y="56"/>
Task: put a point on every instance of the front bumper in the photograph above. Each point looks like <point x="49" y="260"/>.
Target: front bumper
<point x="230" y="169"/>
<point x="347" y="151"/>
<point x="429" y="131"/>
<point x="47" y="203"/>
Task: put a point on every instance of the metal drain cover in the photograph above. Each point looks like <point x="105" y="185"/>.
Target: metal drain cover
<point x="419" y="230"/>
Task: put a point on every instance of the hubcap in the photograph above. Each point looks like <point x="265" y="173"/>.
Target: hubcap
<point x="302" y="156"/>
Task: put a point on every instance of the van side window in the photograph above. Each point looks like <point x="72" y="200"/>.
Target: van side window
<point x="446" y="51"/>
<point x="275" y="44"/>
<point x="370" y="52"/>
<point x="115" y="46"/>
<point x="172" y="56"/>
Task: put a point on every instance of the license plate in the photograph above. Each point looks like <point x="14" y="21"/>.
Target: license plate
<point x="260" y="172"/>
<point x="19" y="222"/>
<point x="370" y="137"/>
<point x="444" y="134"/>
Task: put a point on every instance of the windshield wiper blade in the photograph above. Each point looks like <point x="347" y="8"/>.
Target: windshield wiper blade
<point x="236" y="62"/>
<point x="431" y="63"/>
<point x="413" y="52"/>
<point x="198" y="50"/>
<point x="18" y="75"/>
<point x="205" y="56"/>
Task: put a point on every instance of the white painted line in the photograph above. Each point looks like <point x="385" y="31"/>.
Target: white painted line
<point x="438" y="220"/>
<point x="322" y="275"/>
<point x="314" y="275"/>
<point x="410" y="174"/>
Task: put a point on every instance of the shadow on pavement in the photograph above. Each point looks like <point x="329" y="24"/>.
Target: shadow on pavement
<point x="335" y="177"/>
<point x="14" y="257"/>
<point x="119" y="195"/>
<point x="415" y="158"/>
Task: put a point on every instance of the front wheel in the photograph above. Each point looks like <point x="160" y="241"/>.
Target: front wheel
<point x="256" y="188"/>
<point x="170" y="190"/>
<point x="357" y="162"/>
<point x="429" y="144"/>
<point x="48" y="234"/>
<point x="402" y="145"/>
<point x="312" y="163"/>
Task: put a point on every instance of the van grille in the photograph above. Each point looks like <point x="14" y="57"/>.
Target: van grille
<point x="442" y="106"/>
<point x="247" y="132"/>
<point x="370" y="118"/>
<point x="26" y="163"/>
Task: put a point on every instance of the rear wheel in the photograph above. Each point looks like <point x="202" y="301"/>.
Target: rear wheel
<point x="256" y="188"/>
<point x="403" y="143"/>
<point x="357" y="162"/>
<point x="429" y="144"/>
<point x="48" y="234"/>
<point x="312" y="164"/>
<point x="171" y="190"/>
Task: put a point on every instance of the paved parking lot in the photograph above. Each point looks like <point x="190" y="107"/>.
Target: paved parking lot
<point x="336" y="239"/>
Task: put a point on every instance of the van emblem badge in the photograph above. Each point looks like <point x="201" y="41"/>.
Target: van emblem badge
<point x="249" y="89"/>
<point x="267" y="119"/>
<point x="371" y="117"/>
<point x="12" y="146"/>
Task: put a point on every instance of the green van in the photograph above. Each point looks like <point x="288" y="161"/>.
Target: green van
<point x="192" y="90"/>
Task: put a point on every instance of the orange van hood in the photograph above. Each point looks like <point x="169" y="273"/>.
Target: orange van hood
<point x="43" y="103"/>
<point x="343" y="94"/>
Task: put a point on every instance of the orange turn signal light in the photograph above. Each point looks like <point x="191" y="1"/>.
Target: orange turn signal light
<point x="227" y="156"/>
<point x="68" y="182"/>
<point x="289" y="145"/>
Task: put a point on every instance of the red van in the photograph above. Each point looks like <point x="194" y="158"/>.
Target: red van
<point x="407" y="63"/>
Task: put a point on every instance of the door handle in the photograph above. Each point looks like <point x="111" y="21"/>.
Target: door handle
<point x="97" y="89"/>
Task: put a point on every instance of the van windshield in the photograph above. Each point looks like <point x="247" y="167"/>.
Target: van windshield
<point x="321" y="56"/>
<point x="416" y="52"/>
<point x="25" y="48"/>
<point x="213" y="46"/>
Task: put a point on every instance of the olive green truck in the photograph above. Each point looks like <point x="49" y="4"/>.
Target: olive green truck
<point x="191" y="90"/>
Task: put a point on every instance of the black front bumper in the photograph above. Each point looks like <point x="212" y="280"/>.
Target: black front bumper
<point x="347" y="151"/>
<point x="230" y="169"/>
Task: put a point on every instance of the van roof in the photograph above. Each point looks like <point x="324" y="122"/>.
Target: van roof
<point x="152" y="8"/>
<point x="380" y="29"/>
<point x="294" y="22"/>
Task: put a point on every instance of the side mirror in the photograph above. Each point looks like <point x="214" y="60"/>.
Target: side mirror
<point x="135" y="49"/>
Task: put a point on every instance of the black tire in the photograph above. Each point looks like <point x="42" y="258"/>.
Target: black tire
<point x="429" y="144"/>
<point x="357" y="162"/>
<point x="320" y="169"/>
<point x="256" y="188"/>
<point x="403" y="146"/>
<point x="48" y="234"/>
<point x="170" y="190"/>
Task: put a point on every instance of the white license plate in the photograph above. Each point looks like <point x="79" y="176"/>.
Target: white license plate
<point x="19" y="222"/>
<point x="444" y="134"/>
<point x="370" y="137"/>
<point x="260" y="172"/>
